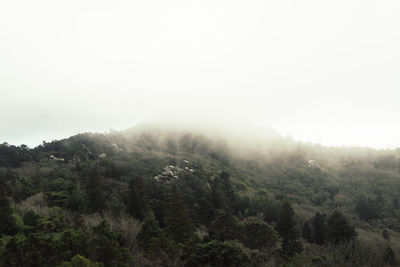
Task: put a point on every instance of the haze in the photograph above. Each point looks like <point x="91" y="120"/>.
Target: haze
<point x="320" y="71"/>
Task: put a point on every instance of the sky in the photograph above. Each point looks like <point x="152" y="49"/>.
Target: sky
<point x="320" y="71"/>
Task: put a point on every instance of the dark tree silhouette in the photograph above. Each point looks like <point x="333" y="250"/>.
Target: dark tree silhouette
<point x="319" y="228"/>
<point x="286" y="228"/>
<point x="338" y="229"/>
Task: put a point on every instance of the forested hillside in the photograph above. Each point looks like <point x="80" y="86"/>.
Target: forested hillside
<point x="155" y="196"/>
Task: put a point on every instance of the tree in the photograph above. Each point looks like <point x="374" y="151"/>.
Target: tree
<point x="319" y="228"/>
<point x="385" y="234"/>
<point x="258" y="234"/>
<point x="177" y="220"/>
<point x="8" y="224"/>
<point x="307" y="233"/>
<point x="31" y="218"/>
<point x="79" y="261"/>
<point x="367" y="208"/>
<point x="96" y="191"/>
<point x="224" y="226"/>
<point x="338" y="229"/>
<point x="286" y="228"/>
<point x="223" y="196"/>
<point x="108" y="246"/>
<point x="137" y="198"/>
<point x="150" y="230"/>
<point x="389" y="257"/>
<point x="396" y="204"/>
<point x="153" y="240"/>
<point x="76" y="199"/>
<point x="217" y="253"/>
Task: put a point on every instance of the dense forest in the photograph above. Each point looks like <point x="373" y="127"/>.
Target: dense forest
<point x="156" y="196"/>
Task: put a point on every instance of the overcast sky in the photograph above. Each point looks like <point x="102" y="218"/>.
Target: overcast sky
<point x="320" y="71"/>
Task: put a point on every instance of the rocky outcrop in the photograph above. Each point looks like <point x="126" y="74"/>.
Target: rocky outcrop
<point x="171" y="173"/>
<point x="314" y="164"/>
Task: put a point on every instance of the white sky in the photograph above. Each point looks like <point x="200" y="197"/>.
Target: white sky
<point x="321" y="71"/>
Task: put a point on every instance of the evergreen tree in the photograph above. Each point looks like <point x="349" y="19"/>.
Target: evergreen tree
<point x="217" y="253"/>
<point x="319" y="228"/>
<point x="223" y="196"/>
<point x="31" y="218"/>
<point x="150" y="230"/>
<point x="396" y="204"/>
<point x="76" y="199"/>
<point x="385" y="234"/>
<point x="389" y="257"/>
<point x="224" y="226"/>
<point x="137" y="200"/>
<point x="338" y="229"/>
<point x="107" y="246"/>
<point x="177" y="219"/>
<point x="8" y="224"/>
<point x="96" y="191"/>
<point x="307" y="233"/>
<point x="79" y="261"/>
<point x="257" y="234"/>
<point x="153" y="240"/>
<point x="367" y="208"/>
<point x="286" y="228"/>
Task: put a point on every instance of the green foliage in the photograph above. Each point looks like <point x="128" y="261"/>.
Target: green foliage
<point x="95" y="190"/>
<point x="368" y="208"/>
<point x="36" y="249"/>
<point x="137" y="199"/>
<point x="153" y="240"/>
<point x="385" y="234"/>
<point x="257" y="234"/>
<point x="107" y="246"/>
<point x="177" y="220"/>
<point x="223" y="196"/>
<point x="217" y="253"/>
<point x="49" y="245"/>
<point x="319" y="228"/>
<point x="76" y="199"/>
<point x="287" y="229"/>
<point x="224" y="226"/>
<point x="307" y="232"/>
<point x="389" y="257"/>
<point x="119" y="185"/>
<point x="31" y="218"/>
<point x="150" y="230"/>
<point x="338" y="229"/>
<point x="79" y="261"/>
<point x="51" y="224"/>
<point x="13" y="156"/>
<point x="8" y="224"/>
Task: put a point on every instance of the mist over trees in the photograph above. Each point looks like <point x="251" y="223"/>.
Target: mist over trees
<point x="176" y="196"/>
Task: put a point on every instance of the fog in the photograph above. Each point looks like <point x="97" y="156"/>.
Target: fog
<point x="319" y="71"/>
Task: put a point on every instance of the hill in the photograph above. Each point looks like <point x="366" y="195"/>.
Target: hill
<point x="160" y="195"/>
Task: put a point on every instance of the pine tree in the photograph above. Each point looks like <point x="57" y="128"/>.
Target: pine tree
<point x="224" y="226"/>
<point x="307" y="233"/>
<point x="137" y="199"/>
<point x="319" y="228"/>
<point x="389" y="257"/>
<point x="153" y="240"/>
<point x="96" y="191"/>
<point x="177" y="219"/>
<point x="286" y="228"/>
<point x="338" y="228"/>
<point x="257" y="234"/>
<point x="150" y="231"/>
<point x="223" y="196"/>
<point x="7" y="221"/>
<point x="385" y="234"/>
